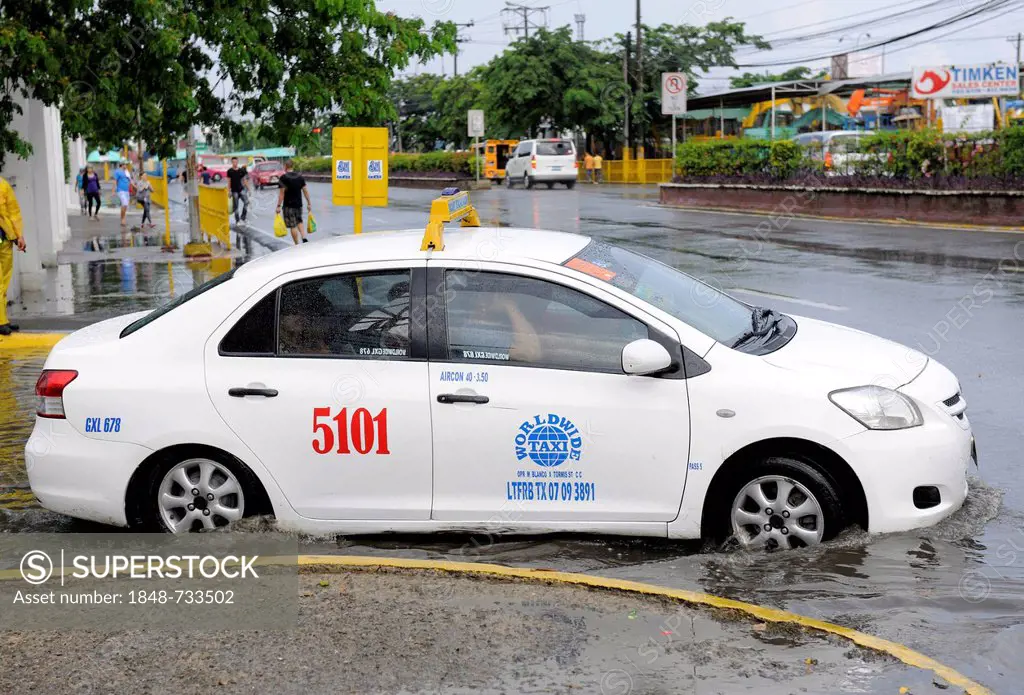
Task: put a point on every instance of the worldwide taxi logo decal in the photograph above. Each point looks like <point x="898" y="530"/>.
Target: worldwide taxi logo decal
<point x="548" y="440"/>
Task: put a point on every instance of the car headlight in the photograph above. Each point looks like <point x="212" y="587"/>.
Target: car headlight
<point x="878" y="408"/>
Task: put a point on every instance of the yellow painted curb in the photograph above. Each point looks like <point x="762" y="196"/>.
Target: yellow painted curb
<point x="895" y="221"/>
<point x="763" y="613"/>
<point x="29" y="341"/>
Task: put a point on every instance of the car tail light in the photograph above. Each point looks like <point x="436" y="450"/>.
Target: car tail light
<point x="575" y="164"/>
<point x="533" y="162"/>
<point x="50" y="391"/>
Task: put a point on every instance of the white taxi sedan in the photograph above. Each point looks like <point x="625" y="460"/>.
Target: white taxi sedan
<point x="504" y="380"/>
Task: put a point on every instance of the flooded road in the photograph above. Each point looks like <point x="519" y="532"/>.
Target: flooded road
<point x="954" y="592"/>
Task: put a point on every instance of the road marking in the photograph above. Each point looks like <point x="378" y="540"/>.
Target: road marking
<point x="784" y="298"/>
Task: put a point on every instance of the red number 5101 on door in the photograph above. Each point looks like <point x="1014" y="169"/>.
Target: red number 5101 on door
<point x="359" y="433"/>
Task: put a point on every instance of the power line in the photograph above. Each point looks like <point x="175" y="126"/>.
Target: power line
<point x="523" y="21"/>
<point x="985" y="8"/>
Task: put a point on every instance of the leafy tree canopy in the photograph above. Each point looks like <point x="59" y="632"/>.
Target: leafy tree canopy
<point x="749" y="79"/>
<point x="150" y="69"/>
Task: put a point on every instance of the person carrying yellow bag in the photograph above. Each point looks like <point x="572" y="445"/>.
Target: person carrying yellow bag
<point x="10" y="236"/>
<point x="279" y="227"/>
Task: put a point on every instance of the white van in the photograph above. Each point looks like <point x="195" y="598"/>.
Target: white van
<point x="547" y="161"/>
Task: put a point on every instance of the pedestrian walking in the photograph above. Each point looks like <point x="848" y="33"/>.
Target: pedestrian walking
<point x="289" y="202"/>
<point x="91" y="181"/>
<point x="144" y="195"/>
<point x="205" y="174"/>
<point x="123" y="187"/>
<point x="80" y="188"/>
<point x="239" y="184"/>
<point x="10" y="236"/>
<point x="588" y="164"/>
<point x="598" y="163"/>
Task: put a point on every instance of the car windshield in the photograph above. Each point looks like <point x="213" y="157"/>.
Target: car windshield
<point x="693" y="302"/>
<point x="175" y="303"/>
<point x="560" y="148"/>
<point x="268" y="166"/>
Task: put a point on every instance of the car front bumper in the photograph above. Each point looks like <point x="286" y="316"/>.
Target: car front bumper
<point x="79" y="476"/>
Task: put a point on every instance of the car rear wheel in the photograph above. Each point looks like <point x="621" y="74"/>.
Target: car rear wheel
<point x="527" y="181"/>
<point x="781" y="503"/>
<point x="197" y="494"/>
<point x="570" y="185"/>
<point x="551" y="184"/>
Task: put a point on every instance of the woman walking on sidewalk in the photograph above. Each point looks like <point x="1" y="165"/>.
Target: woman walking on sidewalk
<point x="91" y="182"/>
<point x="144" y="195"/>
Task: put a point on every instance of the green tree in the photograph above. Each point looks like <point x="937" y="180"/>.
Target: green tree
<point x="152" y="68"/>
<point x="454" y="97"/>
<point x="749" y="79"/>
<point x="417" y="126"/>
<point x="528" y="84"/>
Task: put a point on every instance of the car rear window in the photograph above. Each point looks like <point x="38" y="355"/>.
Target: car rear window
<point x="559" y="149"/>
<point x="175" y="303"/>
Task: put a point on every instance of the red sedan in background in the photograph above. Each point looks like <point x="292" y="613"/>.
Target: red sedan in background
<point x="266" y="173"/>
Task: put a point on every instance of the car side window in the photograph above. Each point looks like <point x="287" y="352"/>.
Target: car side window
<point x="510" y="319"/>
<point x="354" y="315"/>
<point x="253" y="335"/>
<point x="524" y="149"/>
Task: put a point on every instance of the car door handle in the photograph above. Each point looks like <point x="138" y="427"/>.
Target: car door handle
<point x="448" y="398"/>
<point x="242" y="392"/>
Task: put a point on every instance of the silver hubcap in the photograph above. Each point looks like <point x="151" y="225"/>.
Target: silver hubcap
<point x="199" y="494"/>
<point x="777" y="512"/>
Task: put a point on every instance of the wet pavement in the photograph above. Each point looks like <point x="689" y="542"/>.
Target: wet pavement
<point x="953" y="592"/>
<point x="359" y="632"/>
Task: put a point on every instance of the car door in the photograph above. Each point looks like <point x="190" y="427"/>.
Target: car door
<point x="512" y="168"/>
<point x="323" y="376"/>
<point x="533" y="418"/>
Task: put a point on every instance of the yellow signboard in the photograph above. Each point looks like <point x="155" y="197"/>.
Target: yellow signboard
<point x="359" y="175"/>
<point x="447" y="208"/>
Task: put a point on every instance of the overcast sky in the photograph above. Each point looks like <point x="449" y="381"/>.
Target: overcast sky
<point x="975" y="40"/>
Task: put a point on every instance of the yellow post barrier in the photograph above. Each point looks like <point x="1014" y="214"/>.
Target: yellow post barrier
<point x="360" y="158"/>
<point x="106" y="171"/>
<point x="625" y="164"/>
<point x="214" y="218"/>
<point x="167" y="206"/>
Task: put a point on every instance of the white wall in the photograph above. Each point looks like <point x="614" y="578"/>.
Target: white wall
<point x="41" y="187"/>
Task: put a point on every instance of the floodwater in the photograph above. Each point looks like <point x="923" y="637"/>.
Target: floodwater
<point x="954" y="592"/>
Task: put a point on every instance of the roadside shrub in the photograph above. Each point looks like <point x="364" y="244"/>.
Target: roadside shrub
<point x="447" y="162"/>
<point x="738" y="157"/>
<point x="312" y="165"/>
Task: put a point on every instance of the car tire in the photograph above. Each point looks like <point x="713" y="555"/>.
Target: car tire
<point x="208" y="473"/>
<point x="216" y="178"/>
<point x="570" y="185"/>
<point x="809" y="513"/>
<point x="550" y="184"/>
<point x="527" y="181"/>
<point x="508" y="181"/>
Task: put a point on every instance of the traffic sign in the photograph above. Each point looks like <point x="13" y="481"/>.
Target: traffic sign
<point x="673" y="93"/>
<point x="475" y="120"/>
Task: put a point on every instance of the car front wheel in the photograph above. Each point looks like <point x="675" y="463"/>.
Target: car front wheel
<point x="527" y="181"/>
<point x="197" y="494"/>
<point x="781" y="503"/>
<point x="508" y="181"/>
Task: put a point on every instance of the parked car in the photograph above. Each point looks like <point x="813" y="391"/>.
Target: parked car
<point x="266" y="173"/>
<point x="548" y="161"/>
<point x="838" y="151"/>
<point x="558" y="384"/>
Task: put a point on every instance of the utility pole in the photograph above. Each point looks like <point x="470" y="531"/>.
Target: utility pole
<point x="192" y="186"/>
<point x="640" y="80"/>
<point x="458" y="41"/>
<point x="522" y="21"/>
<point x="625" y="92"/>
<point x="1016" y="39"/>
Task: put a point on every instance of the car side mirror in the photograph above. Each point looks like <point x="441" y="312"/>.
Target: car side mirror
<point x="645" y="356"/>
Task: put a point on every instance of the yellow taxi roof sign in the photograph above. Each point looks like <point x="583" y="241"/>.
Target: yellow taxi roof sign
<point x="451" y="206"/>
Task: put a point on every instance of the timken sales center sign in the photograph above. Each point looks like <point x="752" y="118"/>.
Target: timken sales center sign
<point x="964" y="81"/>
